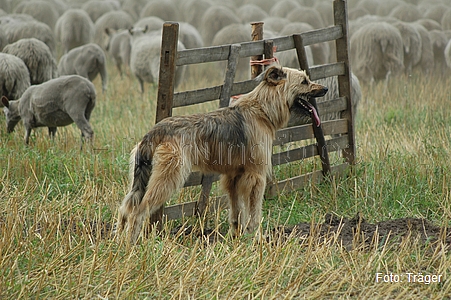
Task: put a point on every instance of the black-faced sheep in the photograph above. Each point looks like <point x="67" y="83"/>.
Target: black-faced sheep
<point x="145" y="58"/>
<point x="14" y="76"/>
<point x="376" y="52"/>
<point x="74" y="28"/>
<point x="88" y="61"/>
<point x="37" y="57"/>
<point x="54" y="103"/>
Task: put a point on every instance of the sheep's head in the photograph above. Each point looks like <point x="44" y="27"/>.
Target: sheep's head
<point x="11" y="110"/>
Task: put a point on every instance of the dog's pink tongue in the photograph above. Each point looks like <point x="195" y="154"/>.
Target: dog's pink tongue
<point x="315" y="117"/>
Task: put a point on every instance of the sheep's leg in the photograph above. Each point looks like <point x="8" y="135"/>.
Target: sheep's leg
<point x="27" y="134"/>
<point x="52" y="132"/>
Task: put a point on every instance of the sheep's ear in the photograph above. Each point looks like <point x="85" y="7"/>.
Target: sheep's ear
<point x="5" y="101"/>
<point x="275" y="75"/>
<point x="130" y="30"/>
<point x="145" y="28"/>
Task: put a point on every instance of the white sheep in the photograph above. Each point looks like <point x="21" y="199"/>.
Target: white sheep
<point x="14" y="76"/>
<point x="42" y="11"/>
<point x="88" y="61"/>
<point x="74" y="28"/>
<point x="376" y="52"/>
<point x="145" y="58"/>
<point x="37" y="57"/>
<point x="214" y="19"/>
<point x="96" y="9"/>
<point x="116" y="19"/>
<point x="119" y="47"/>
<point x="20" y="26"/>
<point x="54" y="103"/>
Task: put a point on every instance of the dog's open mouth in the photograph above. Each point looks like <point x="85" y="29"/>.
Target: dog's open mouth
<point x="308" y="107"/>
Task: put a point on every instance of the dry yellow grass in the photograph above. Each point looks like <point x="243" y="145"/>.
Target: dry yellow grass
<point x="57" y="205"/>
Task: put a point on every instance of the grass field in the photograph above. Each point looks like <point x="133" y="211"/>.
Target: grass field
<point x="57" y="202"/>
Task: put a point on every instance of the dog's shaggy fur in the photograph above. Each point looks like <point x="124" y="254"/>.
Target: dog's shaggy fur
<point x="235" y="141"/>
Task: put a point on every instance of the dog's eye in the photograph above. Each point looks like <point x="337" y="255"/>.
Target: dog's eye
<point x="304" y="81"/>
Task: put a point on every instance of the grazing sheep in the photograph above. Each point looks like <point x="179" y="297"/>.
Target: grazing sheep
<point x="306" y="15"/>
<point x="166" y="10"/>
<point x="194" y="10"/>
<point x="283" y="7"/>
<point x="275" y="24"/>
<point x="426" y="63"/>
<point x="88" y="61"/>
<point x="96" y="9"/>
<point x="446" y="20"/>
<point x="231" y="34"/>
<point x="251" y="13"/>
<point x="119" y="47"/>
<point x="116" y="19"/>
<point x="190" y="36"/>
<point x="22" y="26"/>
<point x="214" y="19"/>
<point x="376" y="52"/>
<point x="448" y="54"/>
<point x="411" y="41"/>
<point x="74" y="28"/>
<point x="42" y="11"/>
<point x="145" y="57"/>
<point x="152" y="23"/>
<point x="439" y="41"/>
<point x="435" y="12"/>
<point x="14" y="76"/>
<point x="430" y="24"/>
<point x="37" y="57"/>
<point x="54" y="103"/>
<point x="406" y="12"/>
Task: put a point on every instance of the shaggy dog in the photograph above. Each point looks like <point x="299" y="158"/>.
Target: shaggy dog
<point x="234" y="141"/>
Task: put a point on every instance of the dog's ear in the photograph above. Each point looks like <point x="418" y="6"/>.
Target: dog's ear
<point x="5" y="101"/>
<point x="275" y="75"/>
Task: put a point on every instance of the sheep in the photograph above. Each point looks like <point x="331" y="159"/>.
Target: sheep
<point x="14" y="76"/>
<point x="446" y="20"/>
<point x="145" y="58"/>
<point x="448" y="54"/>
<point x="275" y="24"/>
<point x="306" y="15"/>
<point x="116" y="19"/>
<point x="283" y="7"/>
<point x="426" y="63"/>
<point x="214" y="19"/>
<point x="73" y="29"/>
<point x="19" y="27"/>
<point x="42" y="11"/>
<point x="406" y="12"/>
<point x="54" y="103"/>
<point x="119" y="47"/>
<point x="439" y="42"/>
<point x="411" y="40"/>
<point x="96" y="9"/>
<point x="152" y="23"/>
<point x="376" y="52"/>
<point x="251" y="13"/>
<point x="430" y="24"/>
<point x="38" y="58"/>
<point x="133" y="7"/>
<point x="190" y="36"/>
<point x="166" y="10"/>
<point x="194" y="10"/>
<point x="87" y="61"/>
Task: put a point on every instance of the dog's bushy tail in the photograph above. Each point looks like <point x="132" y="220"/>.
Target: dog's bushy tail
<point x="140" y="171"/>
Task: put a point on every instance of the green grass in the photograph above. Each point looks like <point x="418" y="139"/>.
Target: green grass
<point x="55" y="202"/>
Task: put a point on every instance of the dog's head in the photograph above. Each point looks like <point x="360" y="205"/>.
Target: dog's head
<point x="299" y="89"/>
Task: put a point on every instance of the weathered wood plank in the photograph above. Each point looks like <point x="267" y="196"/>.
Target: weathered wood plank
<point x="226" y="91"/>
<point x="308" y="151"/>
<point x="295" y="183"/>
<point x="327" y="70"/>
<point x="304" y="132"/>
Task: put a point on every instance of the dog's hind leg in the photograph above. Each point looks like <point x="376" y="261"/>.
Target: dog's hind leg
<point x="169" y="173"/>
<point x="236" y="208"/>
<point x="252" y="188"/>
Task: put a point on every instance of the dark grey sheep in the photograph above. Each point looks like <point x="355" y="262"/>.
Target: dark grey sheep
<point x="88" y="61"/>
<point x="37" y="57"/>
<point x="14" y="76"/>
<point x="54" y="103"/>
<point x="74" y="28"/>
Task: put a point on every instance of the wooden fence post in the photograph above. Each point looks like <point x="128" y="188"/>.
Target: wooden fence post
<point x="257" y="35"/>
<point x="168" y="56"/>
<point x="317" y="130"/>
<point x="344" y="81"/>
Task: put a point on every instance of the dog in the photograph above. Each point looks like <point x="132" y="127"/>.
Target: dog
<point x="234" y="141"/>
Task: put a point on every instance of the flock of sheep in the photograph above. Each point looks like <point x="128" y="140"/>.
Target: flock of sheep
<point x="44" y="42"/>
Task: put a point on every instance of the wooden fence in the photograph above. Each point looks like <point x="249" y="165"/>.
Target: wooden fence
<point x="342" y="129"/>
